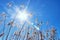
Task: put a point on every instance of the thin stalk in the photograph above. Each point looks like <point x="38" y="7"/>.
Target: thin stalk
<point x="8" y="33"/>
<point x="4" y="27"/>
<point x="27" y="33"/>
<point x="21" y="29"/>
<point x="38" y="35"/>
<point x="24" y="36"/>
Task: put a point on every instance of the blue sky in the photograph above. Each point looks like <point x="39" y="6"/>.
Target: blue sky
<point x="45" y="10"/>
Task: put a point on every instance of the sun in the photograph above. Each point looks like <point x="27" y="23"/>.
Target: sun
<point x="23" y="16"/>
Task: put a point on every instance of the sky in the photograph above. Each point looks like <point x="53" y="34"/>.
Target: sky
<point x="44" y="10"/>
